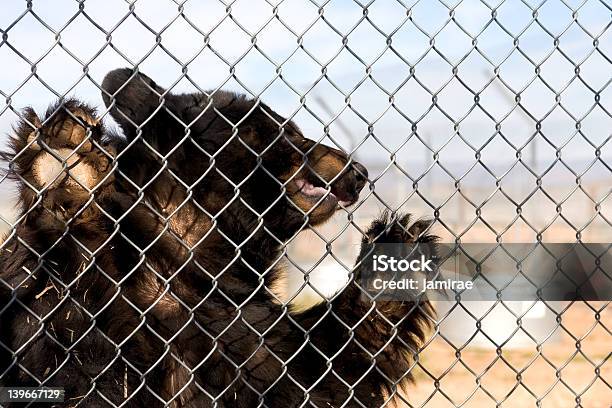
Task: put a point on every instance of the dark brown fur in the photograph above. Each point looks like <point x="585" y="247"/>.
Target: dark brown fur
<point x="157" y="288"/>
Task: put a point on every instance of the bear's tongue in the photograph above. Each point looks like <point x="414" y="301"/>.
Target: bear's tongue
<point x="308" y="189"/>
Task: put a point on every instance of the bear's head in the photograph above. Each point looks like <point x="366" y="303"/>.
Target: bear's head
<point x="231" y="153"/>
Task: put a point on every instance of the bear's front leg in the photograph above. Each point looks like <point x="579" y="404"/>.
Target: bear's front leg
<point x="372" y="343"/>
<point x="60" y="163"/>
<point x="62" y="168"/>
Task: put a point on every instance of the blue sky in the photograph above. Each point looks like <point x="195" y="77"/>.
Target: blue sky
<point x="346" y="68"/>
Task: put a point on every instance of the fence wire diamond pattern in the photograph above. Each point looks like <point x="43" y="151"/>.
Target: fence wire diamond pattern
<point x="431" y="22"/>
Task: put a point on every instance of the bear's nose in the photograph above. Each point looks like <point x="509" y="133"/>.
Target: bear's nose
<point x="361" y="175"/>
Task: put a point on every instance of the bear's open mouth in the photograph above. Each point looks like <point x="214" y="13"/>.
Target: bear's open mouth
<point x="316" y="193"/>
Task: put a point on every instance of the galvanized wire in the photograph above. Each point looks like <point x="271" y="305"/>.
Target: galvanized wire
<point x="387" y="37"/>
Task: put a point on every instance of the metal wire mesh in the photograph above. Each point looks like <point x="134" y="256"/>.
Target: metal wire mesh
<point x="477" y="213"/>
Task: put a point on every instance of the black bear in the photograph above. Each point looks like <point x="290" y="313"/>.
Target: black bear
<point x="140" y="267"/>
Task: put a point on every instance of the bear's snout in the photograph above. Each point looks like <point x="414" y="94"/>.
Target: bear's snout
<point x="328" y="181"/>
<point x="361" y="175"/>
<point x="348" y="186"/>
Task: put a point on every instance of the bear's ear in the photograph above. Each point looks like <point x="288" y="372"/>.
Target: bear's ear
<point x="132" y="98"/>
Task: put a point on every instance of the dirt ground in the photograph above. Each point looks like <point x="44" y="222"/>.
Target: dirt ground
<point x="566" y="373"/>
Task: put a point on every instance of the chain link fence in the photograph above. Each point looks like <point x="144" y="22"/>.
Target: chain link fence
<point x="492" y="118"/>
